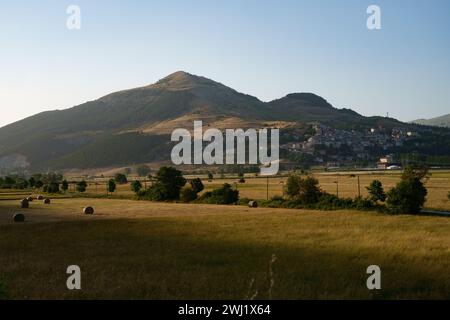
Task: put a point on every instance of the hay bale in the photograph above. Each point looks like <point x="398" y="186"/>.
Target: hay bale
<point x="88" y="210"/>
<point x="47" y="201"/>
<point x="252" y="204"/>
<point x="30" y="199"/>
<point x="18" y="217"/>
<point x="40" y="197"/>
<point x="24" y="203"/>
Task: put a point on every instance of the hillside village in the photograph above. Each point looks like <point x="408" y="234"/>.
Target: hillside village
<point x="334" y="147"/>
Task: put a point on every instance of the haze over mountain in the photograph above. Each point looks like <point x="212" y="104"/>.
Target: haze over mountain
<point x="133" y="126"/>
<point x="442" y="121"/>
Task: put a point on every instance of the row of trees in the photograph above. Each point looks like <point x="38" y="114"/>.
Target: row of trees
<point x="408" y="196"/>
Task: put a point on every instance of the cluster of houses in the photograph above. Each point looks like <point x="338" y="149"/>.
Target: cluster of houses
<point x="334" y="147"/>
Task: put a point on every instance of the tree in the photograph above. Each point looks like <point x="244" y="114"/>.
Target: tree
<point x="292" y="187"/>
<point x="39" y="184"/>
<point x="52" y="187"/>
<point x="136" y="186"/>
<point x="64" y="185"/>
<point x="31" y="182"/>
<point x="81" y="186"/>
<point x="376" y="192"/>
<point x="143" y="170"/>
<point x="408" y="196"/>
<point x="111" y="185"/>
<point x="170" y="181"/>
<point x="197" y="185"/>
<point x="188" y="194"/>
<point x="307" y="190"/>
<point x="120" y="178"/>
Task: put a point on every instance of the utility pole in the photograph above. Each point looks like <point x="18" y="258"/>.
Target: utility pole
<point x="359" y="188"/>
<point x="337" y="188"/>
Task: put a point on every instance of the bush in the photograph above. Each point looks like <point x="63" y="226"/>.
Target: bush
<point x="306" y="190"/>
<point x="223" y="195"/>
<point x="64" y="185"/>
<point x="361" y="203"/>
<point x="408" y="196"/>
<point x="376" y="192"/>
<point x="51" y="188"/>
<point x="120" y="178"/>
<point x="111" y="185"/>
<point x="188" y="194"/>
<point x="39" y="184"/>
<point x="197" y="185"/>
<point x="81" y="186"/>
<point x="136" y="186"/>
<point x="155" y="193"/>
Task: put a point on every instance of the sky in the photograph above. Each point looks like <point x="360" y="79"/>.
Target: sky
<point x="263" y="48"/>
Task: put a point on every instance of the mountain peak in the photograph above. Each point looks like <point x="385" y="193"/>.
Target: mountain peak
<point x="181" y="80"/>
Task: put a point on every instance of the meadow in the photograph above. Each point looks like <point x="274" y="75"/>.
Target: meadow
<point x="147" y="250"/>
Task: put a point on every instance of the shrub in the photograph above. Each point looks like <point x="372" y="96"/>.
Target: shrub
<point x="305" y="190"/>
<point x="120" y="178"/>
<point x="31" y="182"/>
<point x="136" y="186"/>
<point x="292" y="187"/>
<point x="197" y="185"/>
<point x="81" y="186"/>
<point x="111" y="185"/>
<point x="21" y="183"/>
<point x="51" y="188"/>
<point x="64" y="185"/>
<point x="155" y="193"/>
<point x="223" y="195"/>
<point x="376" y="192"/>
<point x="39" y="184"/>
<point x="361" y="203"/>
<point x="408" y="196"/>
<point x="188" y="194"/>
<point x="210" y="176"/>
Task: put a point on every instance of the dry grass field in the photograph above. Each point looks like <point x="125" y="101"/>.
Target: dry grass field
<point x="135" y="249"/>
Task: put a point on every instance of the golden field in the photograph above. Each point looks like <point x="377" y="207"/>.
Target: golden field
<point x="136" y="249"/>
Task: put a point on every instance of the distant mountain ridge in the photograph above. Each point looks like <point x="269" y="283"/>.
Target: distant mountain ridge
<point x="442" y="121"/>
<point x="132" y="126"/>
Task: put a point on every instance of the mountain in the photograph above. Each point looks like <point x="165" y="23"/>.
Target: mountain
<point x="442" y="121"/>
<point x="133" y="126"/>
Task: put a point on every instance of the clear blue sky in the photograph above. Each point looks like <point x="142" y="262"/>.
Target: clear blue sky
<point x="264" y="48"/>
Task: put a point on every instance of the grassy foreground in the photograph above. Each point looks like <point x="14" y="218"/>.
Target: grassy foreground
<point x="214" y="252"/>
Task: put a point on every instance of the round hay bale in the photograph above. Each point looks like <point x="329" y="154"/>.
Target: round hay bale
<point x="40" y="197"/>
<point x="18" y="217"/>
<point x="252" y="204"/>
<point x="47" y="201"/>
<point x="24" y="203"/>
<point x="88" y="210"/>
<point x="30" y="199"/>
